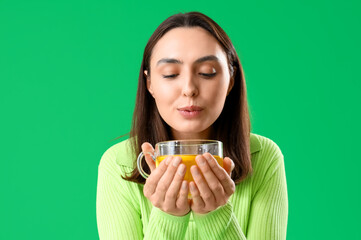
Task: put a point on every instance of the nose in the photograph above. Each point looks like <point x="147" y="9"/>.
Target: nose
<point x="190" y="88"/>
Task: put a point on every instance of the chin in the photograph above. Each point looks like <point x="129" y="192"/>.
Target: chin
<point x="191" y="130"/>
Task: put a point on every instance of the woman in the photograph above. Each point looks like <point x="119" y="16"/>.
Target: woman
<point x="191" y="86"/>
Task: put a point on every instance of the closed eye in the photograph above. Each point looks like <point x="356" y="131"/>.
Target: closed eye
<point x="208" y="74"/>
<point x="170" y="76"/>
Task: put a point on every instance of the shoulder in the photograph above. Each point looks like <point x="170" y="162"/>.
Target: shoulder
<point x="267" y="158"/>
<point x="265" y="153"/>
<point x="115" y="163"/>
<point x="263" y="145"/>
<point x="119" y="154"/>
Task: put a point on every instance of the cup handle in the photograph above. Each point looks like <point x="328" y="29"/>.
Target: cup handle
<point x="139" y="164"/>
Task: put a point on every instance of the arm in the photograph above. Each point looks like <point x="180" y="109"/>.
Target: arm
<point x="118" y="211"/>
<point x="212" y="212"/>
<point x="117" y="217"/>
<point x="166" y="226"/>
<point x="268" y="214"/>
<point x="219" y="224"/>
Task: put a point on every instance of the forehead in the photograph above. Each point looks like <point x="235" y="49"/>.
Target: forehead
<point x="187" y="45"/>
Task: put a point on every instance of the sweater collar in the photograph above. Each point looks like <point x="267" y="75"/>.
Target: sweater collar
<point x="255" y="144"/>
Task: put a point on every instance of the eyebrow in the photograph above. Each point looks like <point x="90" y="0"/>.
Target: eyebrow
<point x="200" y="60"/>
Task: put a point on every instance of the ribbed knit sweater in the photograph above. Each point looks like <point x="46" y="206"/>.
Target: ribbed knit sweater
<point x="258" y="209"/>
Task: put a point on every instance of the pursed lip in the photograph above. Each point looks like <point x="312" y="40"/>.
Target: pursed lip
<point x="190" y="108"/>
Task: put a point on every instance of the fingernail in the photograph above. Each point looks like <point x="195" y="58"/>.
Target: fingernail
<point x="192" y="187"/>
<point x="232" y="165"/>
<point x="176" y="161"/>
<point x="181" y="170"/>
<point x="208" y="157"/>
<point x="200" y="160"/>
<point x="168" y="160"/>
<point x="195" y="171"/>
<point x="184" y="185"/>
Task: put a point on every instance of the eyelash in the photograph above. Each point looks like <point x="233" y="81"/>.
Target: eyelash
<point x="210" y="75"/>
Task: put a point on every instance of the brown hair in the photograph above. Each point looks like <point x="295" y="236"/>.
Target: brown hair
<point x="232" y="126"/>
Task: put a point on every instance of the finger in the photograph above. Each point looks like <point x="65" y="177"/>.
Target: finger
<point x="173" y="190"/>
<point x="148" y="149"/>
<point x="167" y="178"/>
<point x="228" y="165"/>
<point x="222" y="175"/>
<point x="211" y="179"/>
<point x="205" y="192"/>
<point x="152" y="181"/>
<point x="197" y="201"/>
<point x="182" y="200"/>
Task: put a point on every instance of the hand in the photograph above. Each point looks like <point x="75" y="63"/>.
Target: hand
<point x="214" y="189"/>
<point x="165" y="187"/>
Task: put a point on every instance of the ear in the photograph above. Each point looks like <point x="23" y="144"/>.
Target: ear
<point x="231" y="81"/>
<point x="149" y="85"/>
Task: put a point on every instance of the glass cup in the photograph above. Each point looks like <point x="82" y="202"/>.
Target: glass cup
<point x="187" y="150"/>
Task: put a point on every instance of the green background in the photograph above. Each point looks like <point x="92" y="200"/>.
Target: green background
<point x="69" y="70"/>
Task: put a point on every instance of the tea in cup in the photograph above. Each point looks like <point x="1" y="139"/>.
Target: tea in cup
<point x="187" y="150"/>
<point x="188" y="160"/>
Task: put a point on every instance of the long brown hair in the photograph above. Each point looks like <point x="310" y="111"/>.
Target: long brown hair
<point x="232" y="126"/>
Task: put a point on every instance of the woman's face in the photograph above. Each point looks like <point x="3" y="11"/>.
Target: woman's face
<point x="189" y="80"/>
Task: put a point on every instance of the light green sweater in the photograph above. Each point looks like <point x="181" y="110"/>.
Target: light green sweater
<point x="258" y="209"/>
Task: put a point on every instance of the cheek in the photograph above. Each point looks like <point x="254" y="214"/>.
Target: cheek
<point x="164" y="95"/>
<point x="217" y="94"/>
